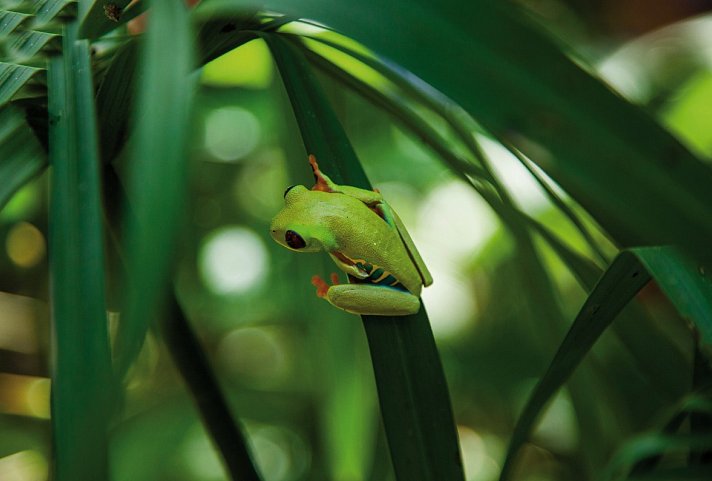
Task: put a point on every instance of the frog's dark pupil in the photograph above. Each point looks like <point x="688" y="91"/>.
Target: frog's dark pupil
<point x="294" y="240"/>
<point x="288" y="189"/>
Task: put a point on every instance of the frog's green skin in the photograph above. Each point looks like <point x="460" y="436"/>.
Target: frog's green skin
<point x="363" y="236"/>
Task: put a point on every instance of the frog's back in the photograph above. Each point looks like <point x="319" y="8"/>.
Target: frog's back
<point x="369" y="240"/>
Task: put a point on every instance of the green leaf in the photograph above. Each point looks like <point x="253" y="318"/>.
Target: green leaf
<point x="157" y="173"/>
<point x="48" y="10"/>
<point x="694" y="405"/>
<point x="653" y="445"/>
<point x="621" y="281"/>
<point x="519" y="86"/>
<point x="82" y="382"/>
<point x="583" y="268"/>
<point x="12" y="78"/>
<point x="687" y="285"/>
<point x="25" y="44"/>
<point x="414" y="400"/>
<point x="101" y="17"/>
<point x="9" y="21"/>
<point x="21" y="155"/>
<point x="113" y="100"/>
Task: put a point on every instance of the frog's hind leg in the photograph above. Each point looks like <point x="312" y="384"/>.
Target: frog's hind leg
<point x="372" y="300"/>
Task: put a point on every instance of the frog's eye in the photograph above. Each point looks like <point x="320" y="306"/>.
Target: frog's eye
<point x="294" y="240"/>
<point x="288" y="189"/>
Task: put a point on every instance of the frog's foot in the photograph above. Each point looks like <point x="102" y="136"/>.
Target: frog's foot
<point x="322" y="287"/>
<point x="323" y="183"/>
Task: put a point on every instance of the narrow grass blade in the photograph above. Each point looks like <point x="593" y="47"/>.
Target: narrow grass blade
<point x="650" y="446"/>
<point x="81" y="385"/>
<point x="158" y="172"/>
<point x="694" y="405"/>
<point x="584" y="269"/>
<point x="195" y="369"/>
<point x="519" y="85"/>
<point x="21" y="155"/>
<point x="414" y="400"/>
<point x="558" y="202"/>
<point x="621" y="281"/>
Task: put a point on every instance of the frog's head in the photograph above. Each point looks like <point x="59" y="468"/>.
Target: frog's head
<point x="298" y="226"/>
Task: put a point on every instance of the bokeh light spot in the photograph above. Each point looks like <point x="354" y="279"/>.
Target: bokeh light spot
<point x="271" y="456"/>
<point x="448" y="290"/>
<point x="25" y="245"/>
<point x="260" y="185"/>
<point x="26" y="465"/>
<point x="476" y="458"/>
<point x="24" y="395"/>
<point x="558" y="427"/>
<point x="519" y="182"/>
<point x="231" y="133"/>
<point x="280" y="453"/>
<point x="254" y="354"/>
<point x="37" y="396"/>
<point x="233" y="260"/>
<point x="454" y="222"/>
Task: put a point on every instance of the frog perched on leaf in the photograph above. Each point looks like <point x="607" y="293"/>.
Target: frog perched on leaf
<point x="363" y="236"/>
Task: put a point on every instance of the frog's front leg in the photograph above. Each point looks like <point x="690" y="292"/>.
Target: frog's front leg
<point x="367" y="299"/>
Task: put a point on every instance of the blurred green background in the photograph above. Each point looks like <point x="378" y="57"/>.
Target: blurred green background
<point x="295" y="369"/>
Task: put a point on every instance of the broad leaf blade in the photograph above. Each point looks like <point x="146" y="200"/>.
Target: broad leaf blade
<point x="81" y="386"/>
<point x="621" y="281"/>
<point x="412" y="390"/>
<point x="158" y="171"/>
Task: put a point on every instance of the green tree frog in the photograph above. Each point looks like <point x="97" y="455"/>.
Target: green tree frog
<point x="363" y="236"/>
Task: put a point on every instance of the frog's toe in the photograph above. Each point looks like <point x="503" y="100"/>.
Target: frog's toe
<point x="321" y="286"/>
